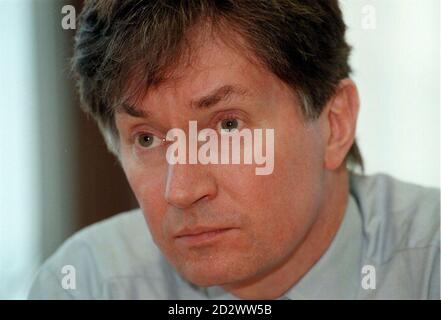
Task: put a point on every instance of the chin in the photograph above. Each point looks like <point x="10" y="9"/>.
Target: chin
<point x="205" y="281"/>
<point x="207" y="274"/>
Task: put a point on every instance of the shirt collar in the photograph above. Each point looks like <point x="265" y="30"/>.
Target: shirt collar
<point x="336" y="275"/>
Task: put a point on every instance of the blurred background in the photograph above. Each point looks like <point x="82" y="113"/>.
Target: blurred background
<point x="56" y="175"/>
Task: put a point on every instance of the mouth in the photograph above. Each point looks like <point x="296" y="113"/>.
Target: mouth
<point x="201" y="236"/>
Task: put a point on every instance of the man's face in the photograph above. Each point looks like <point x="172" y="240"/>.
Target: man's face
<point x="263" y="218"/>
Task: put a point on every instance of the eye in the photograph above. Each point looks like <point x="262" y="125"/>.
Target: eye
<point x="229" y="124"/>
<point x="148" y="140"/>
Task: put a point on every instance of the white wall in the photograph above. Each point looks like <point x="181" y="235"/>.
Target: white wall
<point x="19" y="151"/>
<point x="37" y="193"/>
<point x="396" y="67"/>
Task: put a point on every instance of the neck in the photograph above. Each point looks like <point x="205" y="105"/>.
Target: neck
<point x="318" y="239"/>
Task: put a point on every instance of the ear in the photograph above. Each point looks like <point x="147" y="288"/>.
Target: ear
<point x="340" y="119"/>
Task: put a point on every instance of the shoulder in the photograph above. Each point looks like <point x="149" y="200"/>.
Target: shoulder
<point x="406" y="214"/>
<point x="114" y="258"/>
<point x="401" y="234"/>
<point x="122" y="242"/>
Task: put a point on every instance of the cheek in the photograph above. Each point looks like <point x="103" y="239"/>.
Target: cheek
<point x="279" y="207"/>
<point x="148" y="186"/>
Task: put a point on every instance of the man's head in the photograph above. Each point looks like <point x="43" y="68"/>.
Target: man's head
<point x="255" y="64"/>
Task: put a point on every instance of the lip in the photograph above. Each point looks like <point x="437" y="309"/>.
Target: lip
<point x="191" y="237"/>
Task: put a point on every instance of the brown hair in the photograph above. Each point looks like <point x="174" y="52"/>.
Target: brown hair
<point x="300" y="41"/>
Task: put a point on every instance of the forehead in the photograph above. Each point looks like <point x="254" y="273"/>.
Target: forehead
<point x="214" y="66"/>
<point x="217" y="63"/>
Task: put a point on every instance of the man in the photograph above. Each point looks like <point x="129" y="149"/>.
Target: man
<point x="309" y="229"/>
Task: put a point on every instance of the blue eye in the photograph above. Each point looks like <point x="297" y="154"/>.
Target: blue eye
<point x="145" y="140"/>
<point x="148" y="140"/>
<point x="229" y="124"/>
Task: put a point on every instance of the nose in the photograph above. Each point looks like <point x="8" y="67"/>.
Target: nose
<point x="189" y="183"/>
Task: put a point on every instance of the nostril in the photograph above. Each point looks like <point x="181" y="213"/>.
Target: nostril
<point x="178" y="198"/>
<point x="186" y="196"/>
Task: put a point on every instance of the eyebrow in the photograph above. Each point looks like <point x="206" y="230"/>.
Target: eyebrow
<point x="132" y="110"/>
<point x="216" y="96"/>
